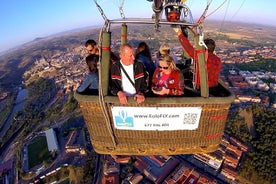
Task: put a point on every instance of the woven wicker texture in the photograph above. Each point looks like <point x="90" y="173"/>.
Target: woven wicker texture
<point x="205" y="138"/>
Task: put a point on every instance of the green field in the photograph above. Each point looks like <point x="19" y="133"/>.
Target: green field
<point x="38" y="151"/>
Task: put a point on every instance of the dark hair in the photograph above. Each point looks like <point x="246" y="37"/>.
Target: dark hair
<point x="90" y="42"/>
<point x="143" y="49"/>
<point x="113" y="57"/>
<point x="91" y="62"/>
<point x="210" y="43"/>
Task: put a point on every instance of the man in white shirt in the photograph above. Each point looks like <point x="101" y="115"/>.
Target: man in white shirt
<point x="128" y="77"/>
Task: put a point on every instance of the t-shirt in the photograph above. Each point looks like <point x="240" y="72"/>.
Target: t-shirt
<point x="163" y="80"/>
<point x="213" y="68"/>
<point x="128" y="88"/>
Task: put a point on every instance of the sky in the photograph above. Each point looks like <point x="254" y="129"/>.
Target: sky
<point x="24" y="20"/>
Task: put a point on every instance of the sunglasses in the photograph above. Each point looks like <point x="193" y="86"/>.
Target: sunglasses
<point x="165" y="67"/>
<point x="92" y="48"/>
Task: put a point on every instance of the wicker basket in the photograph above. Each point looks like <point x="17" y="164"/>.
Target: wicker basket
<point x="107" y="139"/>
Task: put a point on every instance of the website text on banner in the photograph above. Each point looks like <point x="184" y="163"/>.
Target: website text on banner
<point x="156" y="118"/>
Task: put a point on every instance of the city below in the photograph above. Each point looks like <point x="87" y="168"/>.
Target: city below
<point x="68" y="69"/>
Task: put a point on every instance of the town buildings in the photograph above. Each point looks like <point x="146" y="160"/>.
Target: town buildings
<point x="68" y="70"/>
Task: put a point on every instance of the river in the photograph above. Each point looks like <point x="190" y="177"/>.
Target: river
<point x="18" y="105"/>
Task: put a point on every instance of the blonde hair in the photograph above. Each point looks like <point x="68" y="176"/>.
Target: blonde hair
<point x="164" y="49"/>
<point x="169" y="60"/>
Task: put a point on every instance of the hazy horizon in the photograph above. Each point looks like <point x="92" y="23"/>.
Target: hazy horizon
<point x="99" y="26"/>
<point x="24" y="21"/>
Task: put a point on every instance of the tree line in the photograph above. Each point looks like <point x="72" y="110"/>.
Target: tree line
<point x="259" y="165"/>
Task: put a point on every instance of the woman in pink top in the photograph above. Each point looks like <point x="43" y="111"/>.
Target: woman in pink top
<point x="167" y="78"/>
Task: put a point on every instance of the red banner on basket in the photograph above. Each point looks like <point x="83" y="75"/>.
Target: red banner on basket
<point x="213" y="136"/>
<point x="105" y="48"/>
